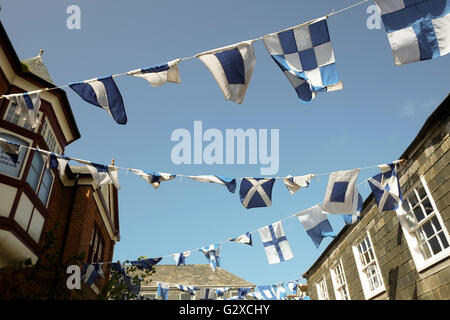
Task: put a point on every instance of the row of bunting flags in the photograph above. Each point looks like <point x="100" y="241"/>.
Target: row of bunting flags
<point x="417" y="30"/>
<point x="253" y="192"/>
<point x="279" y="291"/>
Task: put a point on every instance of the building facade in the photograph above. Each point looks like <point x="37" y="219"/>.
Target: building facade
<point x="402" y="254"/>
<point x="200" y="275"/>
<point x="36" y="203"/>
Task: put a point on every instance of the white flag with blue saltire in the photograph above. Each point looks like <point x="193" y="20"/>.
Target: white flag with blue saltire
<point x="305" y="56"/>
<point x="160" y="74"/>
<point x="232" y="67"/>
<point x="417" y="30"/>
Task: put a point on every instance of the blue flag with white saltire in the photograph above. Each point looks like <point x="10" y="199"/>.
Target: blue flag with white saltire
<point x="256" y="192"/>
<point x="305" y="56"/>
<point x="275" y="243"/>
<point x="103" y="93"/>
<point x="417" y="30"/>
<point x="212" y="253"/>
<point x="91" y="272"/>
<point x="386" y="188"/>
<point x="146" y="263"/>
<point x="28" y="104"/>
<point x="339" y="196"/>
<point x="228" y="182"/>
<point x="232" y="67"/>
<point x="316" y="224"/>
<point x="163" y="291"/>
<point x="245" y="238"/>
<point x="160" y="74"/>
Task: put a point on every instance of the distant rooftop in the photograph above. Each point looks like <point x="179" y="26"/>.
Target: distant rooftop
<point x="198" y="275"/>
<point x="37" y="66"/>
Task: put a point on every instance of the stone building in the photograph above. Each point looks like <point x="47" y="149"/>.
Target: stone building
<point x="36" y="202"/>
<point x="200" y="275"/>
<point x="402" y="254"/>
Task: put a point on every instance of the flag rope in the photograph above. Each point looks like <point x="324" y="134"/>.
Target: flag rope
<point x="194" y="56"/>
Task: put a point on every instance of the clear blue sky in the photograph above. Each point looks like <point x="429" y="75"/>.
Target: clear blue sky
<point x="371" y="121"/>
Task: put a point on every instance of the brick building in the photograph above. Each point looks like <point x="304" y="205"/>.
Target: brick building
<point x="200" y="275"/>
<point x="401" y="254"/>
<point x="35" y="201"/>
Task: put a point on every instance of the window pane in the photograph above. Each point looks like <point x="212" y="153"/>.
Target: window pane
<point x="421" y="192"/>
<point x="418" y="213"/>
<point x="35" y="170"/>
<point x="7" y="166"/>
<point x="436" y="223"/>
<point x="435" y="246"/>
<point x="425" y="250"/>
<point x="428" y="229"/>
<point x="15" y="117"/>
<point x="412" y="199"/>
<point x="46" y="183"/>
<point x="443" y="239"/>
<point x="427" y="206"/>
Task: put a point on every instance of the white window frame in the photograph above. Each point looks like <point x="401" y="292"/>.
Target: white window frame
<point x="25" y="157"/>
<point x="322" y="290"/>
<point x="47" y="130"/>
<point x="412" y="241"/>
<point x="338" y="286"/>
<point x="24" y="125"/>
<point x="368" y="293"/>
<point x="41" y="177"/>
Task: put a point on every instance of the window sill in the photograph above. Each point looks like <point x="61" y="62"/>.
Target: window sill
<point x="375" y="293"/>
<point x="434" y="266"/>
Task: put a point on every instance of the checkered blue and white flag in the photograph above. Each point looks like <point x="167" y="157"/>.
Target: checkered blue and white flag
<point x="386" y="188"/>
<point x="305" y="56"/>
<point x="339" y="196"/>
<point x="245" y="238"/>
<point x="417" y="30"/>
<point x="103" y="93"/>
<point x="159" y="75"/>
<point x="316" y="224"/>
<point x="28" y="104"/>
<point x="212" y="253"/>
<point x="232" y="67"/>
<point x="153" y="178"/>
<point x="228" y="182"/>
<point x="256" y="192"/>
<point x="102" y="174"/>
<point x="275" y="243"/>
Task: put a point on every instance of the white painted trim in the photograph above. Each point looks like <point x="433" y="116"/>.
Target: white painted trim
<point x="104" y="214"/>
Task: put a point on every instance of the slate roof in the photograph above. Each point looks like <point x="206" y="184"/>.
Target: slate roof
<point x="198" y="275"/>
<point x="37" y="66"/>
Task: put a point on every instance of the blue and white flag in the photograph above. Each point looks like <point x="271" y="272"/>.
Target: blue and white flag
<point x="340" y="192"/>
<point x="266" y="292"/>
<point x="91" y="272"/>
<point x="256" y="192"/>
<point x="256" y="294"/>
<point x="357" y="208"/>
<point x="305" y="56"/>
<point x="163" y="290"/>
<point x="242" y="292"/>
<point x="153" y="178"/>
<point x="11" y="149"/>
<point x="102" y="174"/>
<point x="180" y="258"/>
<point x="189" y="289"/>
<point x="206" y="294"/>
<point x="103" y="93"/>
<point x="293" y="184"/>
<point x="417" y="30"/>
<point x="316" y="224"/>
<point x="293" y="286"/>
<point x="245" y="238"/>
<point x="212" y="253"/>
<point x="118" y="267"/>
<point x="280" y="291"/>
<point x="28" y="105"/>
<point x="228" y="182"/>
<point x="232" y="67"/>
<point x="275" y="243"/>
<point x="159" y="75"/>
<point x="386" y="188"/>
<point x="146" y="263"/>
<point x="221" y="291"/>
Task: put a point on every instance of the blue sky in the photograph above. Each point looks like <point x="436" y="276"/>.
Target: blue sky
<point x="371" y="121"/>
